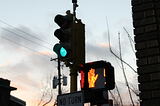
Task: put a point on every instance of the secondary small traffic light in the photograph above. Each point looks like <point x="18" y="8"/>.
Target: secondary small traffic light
<point x="97" y="75"/>
<point x="64" y="81"/>
<point x="55" y="82"/>
<point x="64" y="34"/>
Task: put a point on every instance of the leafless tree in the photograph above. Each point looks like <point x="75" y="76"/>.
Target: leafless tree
<point x="47" y="92"/>
<point x="122" y="66"/>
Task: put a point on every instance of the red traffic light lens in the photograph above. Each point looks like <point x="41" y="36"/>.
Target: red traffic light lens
<point x="61" y="36"/>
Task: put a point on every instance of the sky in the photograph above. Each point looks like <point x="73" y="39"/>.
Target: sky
<point x="27" y="39"/>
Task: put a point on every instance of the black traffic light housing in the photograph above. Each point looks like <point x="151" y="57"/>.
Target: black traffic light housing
<point x="103" y="78"/>
<point x="64" y="34"/>
<point x="71" y="35"/>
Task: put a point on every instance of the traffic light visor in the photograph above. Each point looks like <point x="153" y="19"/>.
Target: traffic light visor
<point x="63" y="21"/>
<point x="61" y="35"/>
<point x="59" y="20"/>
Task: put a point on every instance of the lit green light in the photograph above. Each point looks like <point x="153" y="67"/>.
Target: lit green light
<point x="59" y="50"/>
<point x="63" y="52"/>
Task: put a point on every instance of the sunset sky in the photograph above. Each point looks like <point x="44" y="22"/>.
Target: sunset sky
<point x="27" y="40"/>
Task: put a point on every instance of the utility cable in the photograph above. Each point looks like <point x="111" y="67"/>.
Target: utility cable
<point x="25" y="32"/>
<point x="21" y="80"/>
<point x="24" y="38"/>
<point x="24" y="46"/>
<point x="11" y="73"/>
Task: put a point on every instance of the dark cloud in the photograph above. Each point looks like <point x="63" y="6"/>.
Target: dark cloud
<point x="19" y="74"/>
<point x="26" y="62"/>
<point x="99" y="51"/>
<point x="30" y="70"/>
<point x="23" y="37"/>
<point x="33" y="67"/>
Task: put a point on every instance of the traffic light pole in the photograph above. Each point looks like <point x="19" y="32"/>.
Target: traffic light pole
<point x="73" y="78"/>
<point x="73" y="72"/>
<point x="59" y="77"/>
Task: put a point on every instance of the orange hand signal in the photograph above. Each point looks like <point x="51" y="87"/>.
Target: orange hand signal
<point x="92" y="78"/>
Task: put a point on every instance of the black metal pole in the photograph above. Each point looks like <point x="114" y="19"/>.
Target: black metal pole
<point x="59" y="77"/>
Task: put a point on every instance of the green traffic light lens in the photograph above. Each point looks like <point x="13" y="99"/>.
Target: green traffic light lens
<point x="63" y="52"/>
<point x="59" y="50"/>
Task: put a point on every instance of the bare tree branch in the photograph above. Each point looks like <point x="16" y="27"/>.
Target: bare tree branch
<point x="114" y="53"/>
<point x="130" y="40"/>
<point x="119" y="95"/>
<point x="124" y="71"/>
<point x="48" y="100"/>
<point x="46" y="91"/>
<point x="41" y="98"/>
<point x="114" y="98"/>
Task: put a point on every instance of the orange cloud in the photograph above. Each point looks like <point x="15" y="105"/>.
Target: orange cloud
<point x="5" y="63"/>
<point x="46" y="52"/>
<point x="106" y="45"/>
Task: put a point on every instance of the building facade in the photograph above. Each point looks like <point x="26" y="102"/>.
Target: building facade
<point x="5" y="98"/>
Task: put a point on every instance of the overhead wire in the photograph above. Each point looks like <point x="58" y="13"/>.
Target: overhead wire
<point x="23" y="37"/>
<point x="24" y="46"/>
<point x="22" y="78"/>
<point x="26" y="33"/>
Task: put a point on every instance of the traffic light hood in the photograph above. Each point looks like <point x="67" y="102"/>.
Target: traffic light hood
<point x="63" y="21"/>
<point x="63" y="37"/>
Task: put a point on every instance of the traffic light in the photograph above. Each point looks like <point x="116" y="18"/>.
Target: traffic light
<point x="96" y="79"/>
<point x="98" y="75"/>
<point x="64" y="81"/>
<point x="64" y="34"/>
<point x="55" y="82"/>
<point x="71" y="47"/>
